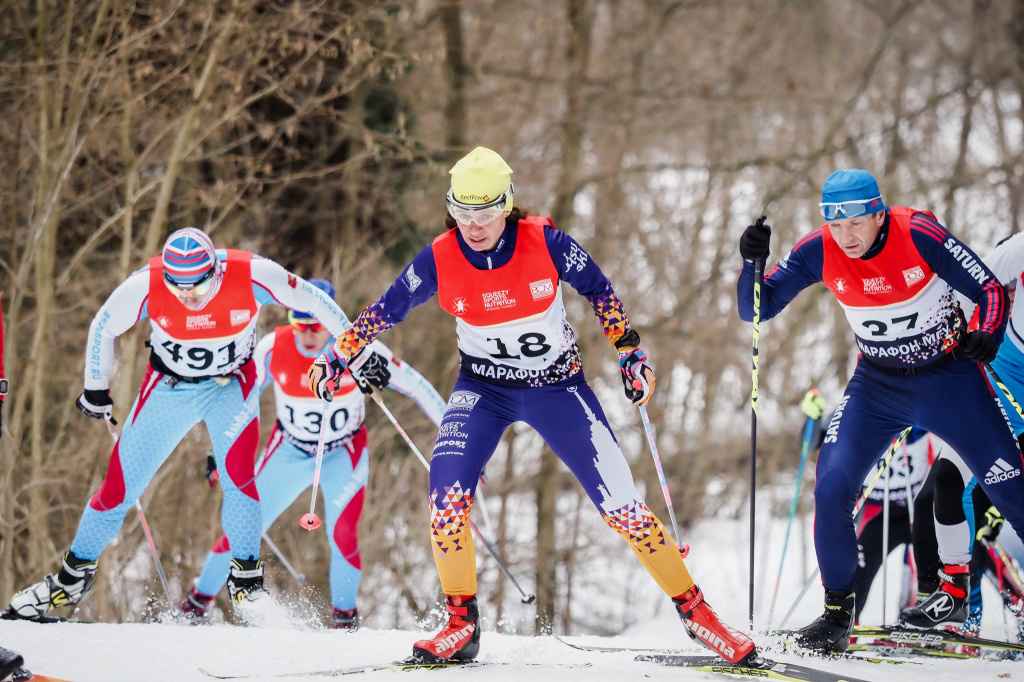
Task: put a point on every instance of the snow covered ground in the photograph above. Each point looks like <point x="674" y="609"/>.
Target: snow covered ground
<point x="164" y="653"/>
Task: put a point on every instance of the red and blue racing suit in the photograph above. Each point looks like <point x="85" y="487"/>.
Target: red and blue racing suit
<point x="899" y="300"/>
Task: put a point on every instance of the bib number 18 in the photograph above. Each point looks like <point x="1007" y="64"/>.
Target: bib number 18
<point x="531" y="345"/>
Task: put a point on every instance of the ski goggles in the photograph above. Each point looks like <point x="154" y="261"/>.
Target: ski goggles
<point x="846" y="209"/>
<point x="196" y="289"/>
<point x="304" y="324"/>
<point x="481" y="214"/>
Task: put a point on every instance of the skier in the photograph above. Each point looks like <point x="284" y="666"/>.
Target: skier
<point x="202" y="305"/>
<point x="10" y="663"/>
<point x="960" y="504"/>
<point x="954" y="516"/>
<point x="908" y="469"/>
<point x="282" y="358"/>
<point x="893" y="269"/>
<point x="497" y="269"/>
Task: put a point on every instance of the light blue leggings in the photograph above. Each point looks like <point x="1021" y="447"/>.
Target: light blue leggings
<point x="159" y="419"/>
<point x="285" y="472"/>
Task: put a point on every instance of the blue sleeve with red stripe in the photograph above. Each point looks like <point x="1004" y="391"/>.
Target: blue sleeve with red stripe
<point x="957" y="264"/>
<point x="801" y="268"/>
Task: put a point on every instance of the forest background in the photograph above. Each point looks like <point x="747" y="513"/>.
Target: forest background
<point x="319" y="134"/>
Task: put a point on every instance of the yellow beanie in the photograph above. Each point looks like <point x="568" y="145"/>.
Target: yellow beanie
<point x="480" y="177"/>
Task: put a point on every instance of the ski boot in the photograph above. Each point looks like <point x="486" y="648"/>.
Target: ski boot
<point x="245" y="579"/>
<point x="194" y="607"/>
<point x="69" y="586"/>
<point x="704" y="627"/>
<point x="345" y="620"/>
<point x="10" y="662"/>
<point x="830" y="632"/>
<point x="460" y="640"/>
<point x="946" y="605"/>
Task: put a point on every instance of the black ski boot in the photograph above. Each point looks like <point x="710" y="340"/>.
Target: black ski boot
<point x="830" y="632"/>
<point x="345" y="620"/>
<point x="10" y="661"/>
<point x="946" y="605"/>
<point x="245" y="579"/>
<point x="69" y="586"/>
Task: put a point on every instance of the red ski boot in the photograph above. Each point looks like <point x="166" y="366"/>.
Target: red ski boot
<point x="195" y="605"/>
<point x="703" y="626"/>
<point x="460" y="641"/>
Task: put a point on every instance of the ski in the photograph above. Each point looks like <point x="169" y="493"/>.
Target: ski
<point x="759" y="667"/>
<point x="398" y="666"/>
<point x="354" y="670"/>
<point x="933" y="639"/>
<point x="10" y="615"/>
<point x="884" y="649"/>
<point x="617" y="649"/>
<point x="681" y="652"/>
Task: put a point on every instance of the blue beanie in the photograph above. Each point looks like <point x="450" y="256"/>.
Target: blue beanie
<point x="852" y="185"/>
<point x="321" y="284"/>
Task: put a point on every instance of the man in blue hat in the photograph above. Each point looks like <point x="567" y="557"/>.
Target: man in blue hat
<point x="894" y="271"/>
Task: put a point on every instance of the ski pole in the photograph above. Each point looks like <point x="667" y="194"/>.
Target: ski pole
<point x="527" y="598"/>
<point x="805" y="445"/>
<point x="883" y="463"/>
<point x="661" y="474"/>
<point x="758" y="281"/>
<point x="145" y="528"/>
<point x="300" y="578"/>
<point x="311" y="521"/>
<point x="1005" y="390"/>
<point x="908" y="553"/>
<point x="885" y="543"/>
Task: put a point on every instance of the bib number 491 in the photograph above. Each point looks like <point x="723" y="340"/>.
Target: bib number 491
<point x="200" y="358"/>
<point x="531" y="344"/>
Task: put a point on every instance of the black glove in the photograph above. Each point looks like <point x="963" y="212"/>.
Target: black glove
<point x="637" y="373"/>
<point x="96" y="404"/>
<point x="754" y="240"/>
<point x="370" y="371"/>
<point x="211" y="471"/>
<point x="980" y="346"/>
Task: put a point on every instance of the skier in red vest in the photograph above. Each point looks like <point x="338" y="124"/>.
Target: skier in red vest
<point x="498" y="271"/>
<point x="202" y="304"/>
<point x="894" y="271"/>
<point x="286" y="468"/>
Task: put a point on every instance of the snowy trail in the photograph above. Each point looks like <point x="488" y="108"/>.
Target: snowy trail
<point x="163" y="653"/>
<point x="99" y="652"/>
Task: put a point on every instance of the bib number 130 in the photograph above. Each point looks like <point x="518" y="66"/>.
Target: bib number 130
<point x="201" y="358"/>
<point x="531" y="345"/>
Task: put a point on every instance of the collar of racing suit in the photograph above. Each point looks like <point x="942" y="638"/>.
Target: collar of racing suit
<point x="498" y="256"/>
<point x="879" y="243"/>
